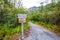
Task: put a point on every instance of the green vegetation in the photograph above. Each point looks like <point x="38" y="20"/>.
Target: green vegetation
<point x="9" y="24"/>
<point x="48" y="17"/>
<point x="6" y="31"/>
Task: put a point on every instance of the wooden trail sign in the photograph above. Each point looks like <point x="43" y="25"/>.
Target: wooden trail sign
<point x="22" y="18"/>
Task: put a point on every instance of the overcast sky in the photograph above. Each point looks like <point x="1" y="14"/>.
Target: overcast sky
<point x="31" y="3"/>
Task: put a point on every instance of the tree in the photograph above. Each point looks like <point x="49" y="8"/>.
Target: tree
<point x="19" y="3"/>
<point x="58" y="5"/>
<point x="5" y="9"/>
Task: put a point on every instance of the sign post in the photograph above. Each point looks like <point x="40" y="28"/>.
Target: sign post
<point x="22" y="20"/>
<point x="22" y="31"/>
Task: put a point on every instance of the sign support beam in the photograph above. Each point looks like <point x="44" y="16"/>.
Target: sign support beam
<point x="22" y="31"/>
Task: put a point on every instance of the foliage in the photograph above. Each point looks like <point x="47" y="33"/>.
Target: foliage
<point x="9" y="19"/>
<point x="23" y="10"/>
<point x="50" y="17"/>
<point x="5" y="9"/>
<point x="47" y="16"/>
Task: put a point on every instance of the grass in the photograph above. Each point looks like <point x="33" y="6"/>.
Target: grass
<point x="6" y="32"/>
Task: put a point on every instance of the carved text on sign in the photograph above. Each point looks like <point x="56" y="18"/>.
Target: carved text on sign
<point x="22" y="20"/>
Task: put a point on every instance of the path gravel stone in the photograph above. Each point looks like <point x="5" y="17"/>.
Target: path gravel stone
<point x="39" y="33"/>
